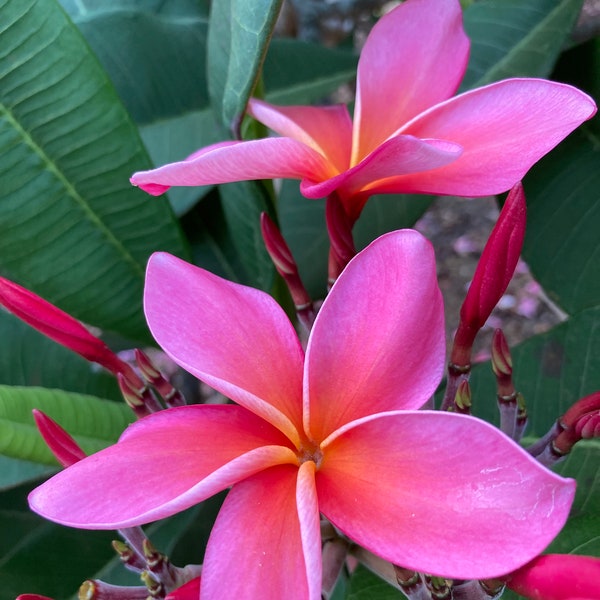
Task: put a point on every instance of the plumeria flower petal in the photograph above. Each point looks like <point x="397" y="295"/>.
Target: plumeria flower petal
<point x="397" y="480"/>
<point x="392" y="84"/>
<point x="424" y="494"/>
<point x="282" y="558"/>
<point x="476" y="144"/>
<point x="245" y="360"/>
<point x="387" y="360"/>
<point x="162" y="465"/>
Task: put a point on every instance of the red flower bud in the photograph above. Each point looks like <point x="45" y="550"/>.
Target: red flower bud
<point x="188" y="591"/>
<point x="62" y="445"/>
<point x="557" y="577"/>
<point x="62" y="328"/>
<point x="493" y="273"/>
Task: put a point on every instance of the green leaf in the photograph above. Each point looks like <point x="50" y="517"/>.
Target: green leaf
<point x="297" y="72"/>
<point x="43" y="558"/>
<point x="165" y="535"/>
<point x="242" y="204"/>
<point x="14" y="472"/>
<point x="182" y="8"/>
<point x="238" y="36"/>
<point x="563" y="221"/>
<point x="516" y="38"/>
<point x="365" y="585"/>
<point x="172" y="140"/>
<point x="551" y="370"/>
<point x="67" y="150"/>
<point x="30" y="358"/>
<point x="93" y="422"/>
<point x="581" y="534"/>
<point x="155" y="62"/>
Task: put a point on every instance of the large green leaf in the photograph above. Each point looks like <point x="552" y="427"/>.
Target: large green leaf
<point x="563" y="203"/>
<point x="297" y="72"/>
<point x="181" y="8"/>
<point x="156" y="62"/>
<point x="516" y="38"/>
<point x="581" y="534"/>
<point x="238" y="36"/>
<point x="242" y="203"/>
<point x="14" y="472"/>
<point x="44" y="558"/>
<point x="93" y="422"/>
<point x="71" y="226"/>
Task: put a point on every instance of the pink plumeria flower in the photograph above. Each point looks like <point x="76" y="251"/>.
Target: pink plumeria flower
<point x="409" y="134"/>
<point x="334" y="430"/>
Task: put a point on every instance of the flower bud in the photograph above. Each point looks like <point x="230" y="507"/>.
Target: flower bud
<point x="62" y="328"/>
<point x="188" y="591"/>
<point x="557" y="577"/>
<point x="493" y="273"/>
<point x="66" y="450"/>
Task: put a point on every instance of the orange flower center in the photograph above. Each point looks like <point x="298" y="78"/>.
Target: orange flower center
<point x="310" y="451"/>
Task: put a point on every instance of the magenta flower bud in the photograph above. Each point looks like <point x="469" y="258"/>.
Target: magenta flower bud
<point x="557" y="577"/>
<point x="583" y="406"/>
<point x="66" y="450"/>
<point x="581" y="421"/>
<point x="493" y="273"/>
<point x="171" y="395"/>
<point x="32" y="597"/>
<point x="188" y="591"/>
<point x="62" y="328"/>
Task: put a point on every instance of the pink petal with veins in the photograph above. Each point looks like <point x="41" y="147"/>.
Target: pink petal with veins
<point x="266" y="540"/>
<point x="267" y="158"/>
<point x="503" y="128"/>
<point x="401" y="154"/>
<point x="235" y="338"/>
<point x="474" y="509"/>
<point x="326" y="129"/>
<point x="380" y="347"/>
<point x="162" y="465"/>
<point x="414" y="57"/>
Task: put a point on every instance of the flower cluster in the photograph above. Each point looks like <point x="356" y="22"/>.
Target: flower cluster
<point x="333" y="447"/>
